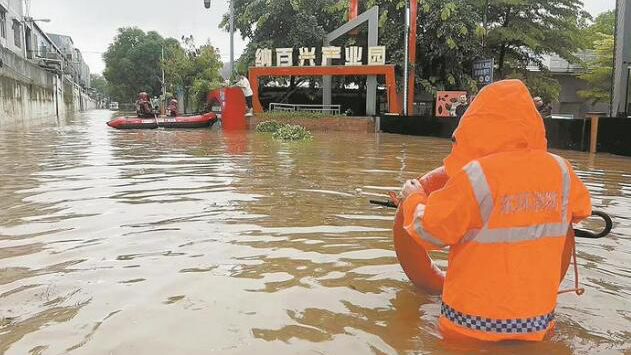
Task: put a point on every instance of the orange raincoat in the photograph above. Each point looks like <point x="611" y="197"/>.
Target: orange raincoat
<point x="504" y="213"/>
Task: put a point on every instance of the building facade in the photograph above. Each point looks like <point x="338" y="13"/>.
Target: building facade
<point x="12" y="26"/>
<point x="40" y="76"/>
<point x="571" y="104"/>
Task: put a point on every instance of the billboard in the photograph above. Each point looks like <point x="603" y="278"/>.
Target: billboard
<point x="446" y="103"/>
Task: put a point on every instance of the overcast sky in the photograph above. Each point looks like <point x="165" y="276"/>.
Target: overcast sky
<point x="92" y="24"/>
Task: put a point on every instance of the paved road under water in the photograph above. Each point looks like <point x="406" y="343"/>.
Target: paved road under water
<point x="197" y="242"/>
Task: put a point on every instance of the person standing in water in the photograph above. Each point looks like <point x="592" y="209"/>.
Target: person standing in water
<point x="244" y="84"/>
<point x="544" y="109"/>
<point x="505" y="211"/>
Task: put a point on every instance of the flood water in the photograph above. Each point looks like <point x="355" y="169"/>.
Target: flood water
<point x="198" y="242"/>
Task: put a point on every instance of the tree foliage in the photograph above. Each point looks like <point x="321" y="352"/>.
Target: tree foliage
<point x="605" y="23"/>
<point x="134" y="63"/>
<point x="98" y="83"/>
<point x="451" y="35"/>
<point x="598" y="71"/>
<point x="195" y="69"/>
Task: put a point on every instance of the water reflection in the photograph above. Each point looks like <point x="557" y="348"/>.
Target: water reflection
<point x="198" y="241"/>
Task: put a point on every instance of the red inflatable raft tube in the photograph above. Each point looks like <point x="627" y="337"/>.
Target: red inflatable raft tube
<point x="199" y="121"/>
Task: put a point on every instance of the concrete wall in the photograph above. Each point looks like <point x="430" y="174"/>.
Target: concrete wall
<point x="569" y="100"/>
<point x="28" y="92"/>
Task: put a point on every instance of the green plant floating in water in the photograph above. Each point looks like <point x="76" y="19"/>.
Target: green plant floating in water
<point x="292" y="133"/>
<point x="268" y="126"/>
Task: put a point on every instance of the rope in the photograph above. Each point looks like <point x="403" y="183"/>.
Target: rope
<point x="579" y="290"/>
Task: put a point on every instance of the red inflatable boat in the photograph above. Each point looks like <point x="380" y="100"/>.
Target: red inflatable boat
<point x="199" y="121"/>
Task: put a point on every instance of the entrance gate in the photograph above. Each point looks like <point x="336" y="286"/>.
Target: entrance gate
<point x="333" y="70"/>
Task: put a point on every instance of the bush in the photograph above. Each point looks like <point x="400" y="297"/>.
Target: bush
<point x="292" y="133"/>
<point x="268" y="126"/>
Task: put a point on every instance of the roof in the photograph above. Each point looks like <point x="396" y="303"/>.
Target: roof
<point x="556" y="64"/>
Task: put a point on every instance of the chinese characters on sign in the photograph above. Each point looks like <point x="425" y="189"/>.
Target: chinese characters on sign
<point x="264" y="57"/>
<point x="483" y="71"/>
<point x="307" y="56"/>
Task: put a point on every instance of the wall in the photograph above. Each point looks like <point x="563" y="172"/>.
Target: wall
<point x="29" y="92"/>
<point x="569" y="100"/>
<point x="561" y="133"/>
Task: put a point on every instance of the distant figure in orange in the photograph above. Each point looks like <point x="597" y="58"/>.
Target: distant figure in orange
<point x="504" y="207"/>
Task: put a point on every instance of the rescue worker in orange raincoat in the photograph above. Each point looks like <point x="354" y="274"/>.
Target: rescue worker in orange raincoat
<point x="504" y="212"/>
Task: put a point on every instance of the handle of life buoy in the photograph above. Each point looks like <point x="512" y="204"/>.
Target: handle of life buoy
<point x="580" y="233"/>
<point x="591" y="235"/>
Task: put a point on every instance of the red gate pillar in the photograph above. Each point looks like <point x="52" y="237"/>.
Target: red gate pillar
<point x="412" y="58"/>
<point x="232" y="107"/>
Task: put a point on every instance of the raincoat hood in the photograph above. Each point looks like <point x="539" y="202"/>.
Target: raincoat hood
<point x="502" y="118"/>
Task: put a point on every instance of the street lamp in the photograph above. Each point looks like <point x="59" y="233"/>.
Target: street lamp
<point x="207" y="5"/>
<point x="30" y="19"/>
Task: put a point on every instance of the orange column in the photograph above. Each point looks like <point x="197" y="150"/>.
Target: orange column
<point x="412" y="58"/>
<point x="353" y="9"/>
<point x="593" y="138"/>
<point x="254" y="84"/>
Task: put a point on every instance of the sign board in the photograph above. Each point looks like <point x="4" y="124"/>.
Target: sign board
<point x="483" y="71"/>
<point x="376" y="55"/>
<point x="447" y="102"/>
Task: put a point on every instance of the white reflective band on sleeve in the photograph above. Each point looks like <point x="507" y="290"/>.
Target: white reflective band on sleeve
<point x="418" y="227"/>
<point x="566" y="185"/>
<point x="480" y="187"/>
<point x="484" y="197"/>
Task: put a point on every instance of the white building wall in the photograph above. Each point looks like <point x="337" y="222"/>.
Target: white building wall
<point x="14" y="14"/>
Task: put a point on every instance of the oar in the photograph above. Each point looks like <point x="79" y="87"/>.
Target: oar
<point x="580" y="233"/>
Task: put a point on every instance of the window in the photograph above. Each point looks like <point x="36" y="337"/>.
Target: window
<point x="3" y="23"/>
<point x="17" y="34"/>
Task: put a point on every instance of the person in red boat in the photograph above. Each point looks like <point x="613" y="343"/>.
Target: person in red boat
<point x="143" y="106"/>
<point x="172" y="108"/>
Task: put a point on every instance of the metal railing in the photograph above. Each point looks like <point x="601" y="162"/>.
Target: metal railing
<point x="328" y="109"/>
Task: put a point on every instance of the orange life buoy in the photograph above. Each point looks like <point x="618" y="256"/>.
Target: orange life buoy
<point x="434" y="180"/>
<point x="414" y="259"/>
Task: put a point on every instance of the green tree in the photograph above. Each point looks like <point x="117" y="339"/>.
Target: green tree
<point x="520" y="32"/>
<point x="605" y="23"/>
<point x="194" y="69"/>
<point x="598" y="71"/>
<point x="284" y="24"/>
<point x="133" y="64"/>
<point x="450" y="35"/>
<point x="99" y="84"/>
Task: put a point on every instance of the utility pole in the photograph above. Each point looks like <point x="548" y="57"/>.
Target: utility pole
<point x="164" y="91"/>
<point x="406" y="66"/>
<point x="486" y="22"/>
<point x="231" y="37"/>
<point x="207" y="5"/>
